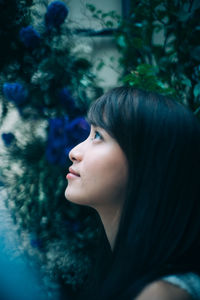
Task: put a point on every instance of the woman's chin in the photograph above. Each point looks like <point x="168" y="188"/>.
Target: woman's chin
<point x="68" y="195"/>
<point x="71" y="197"/>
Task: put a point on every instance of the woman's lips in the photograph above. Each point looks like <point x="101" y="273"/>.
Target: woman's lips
<point x="72" y="174"/>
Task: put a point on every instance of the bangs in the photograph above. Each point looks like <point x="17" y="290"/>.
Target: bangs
<point x="100" y="114"/>
<point x="108" y="112"/>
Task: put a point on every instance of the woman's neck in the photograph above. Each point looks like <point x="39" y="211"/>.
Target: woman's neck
<point x="110" y="220"/>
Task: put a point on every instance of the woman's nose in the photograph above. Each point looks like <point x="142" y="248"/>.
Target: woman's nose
<point x="76" y="153"/>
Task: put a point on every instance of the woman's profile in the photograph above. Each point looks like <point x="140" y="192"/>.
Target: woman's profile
<point x="139" y="169"/>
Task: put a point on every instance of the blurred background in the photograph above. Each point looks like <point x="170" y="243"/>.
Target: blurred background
<point x="56" y="57"/>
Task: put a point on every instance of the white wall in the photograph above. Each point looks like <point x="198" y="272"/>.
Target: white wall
<point x="98" y="48"/>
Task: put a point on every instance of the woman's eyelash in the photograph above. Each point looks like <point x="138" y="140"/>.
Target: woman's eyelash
<point x="97" y="135"/>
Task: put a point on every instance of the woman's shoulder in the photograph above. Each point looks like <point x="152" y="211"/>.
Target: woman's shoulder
<point x="178" y="286"/>
<point x="189" y="282"/>
<point x="163" y="290"/>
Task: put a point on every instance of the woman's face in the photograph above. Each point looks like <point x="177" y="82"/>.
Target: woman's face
<point x="98" y="175"/>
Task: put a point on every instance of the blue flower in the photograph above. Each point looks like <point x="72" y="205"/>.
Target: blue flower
<point x="29" y="37"/>
<point x="56" y="13"/>
<point x="77" y="131"/>
<point x="36" y="243"/>
<point x="66" y="99"/>
<point x="56" y="141"/>
<point x="63" y="136"/>
<point x="8" y="138"/>
<point x="15" y="92"/>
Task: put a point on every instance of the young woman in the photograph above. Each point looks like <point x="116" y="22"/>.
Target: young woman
<point x="139" y="169"/>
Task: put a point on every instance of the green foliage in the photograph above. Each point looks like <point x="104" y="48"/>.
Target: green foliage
<point x="144" y="77"/>
<point x="165" y="36"/>
<point x="107" y="19"/>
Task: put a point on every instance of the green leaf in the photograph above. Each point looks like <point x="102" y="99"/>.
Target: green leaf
<point x="91" y="7"/>
<point x="109" y="24"/>
<point x="195" y="53"/>
<point x="186" y="81"/>
<point x="104" y="15"/>
<point x="196" y="90"/>
<point x="121" y="41"/>
<point x="138" y="24"/>
<point x="100" y="65"/>
<point x="144" y="77"/>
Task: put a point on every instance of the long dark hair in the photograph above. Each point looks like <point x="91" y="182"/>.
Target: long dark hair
<point x="159" y="231"/>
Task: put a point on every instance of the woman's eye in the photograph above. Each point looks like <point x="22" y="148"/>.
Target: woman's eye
<point x="97" y="136"/>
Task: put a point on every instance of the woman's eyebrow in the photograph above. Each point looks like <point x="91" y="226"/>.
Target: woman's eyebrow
<point x="96" y="126"/>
